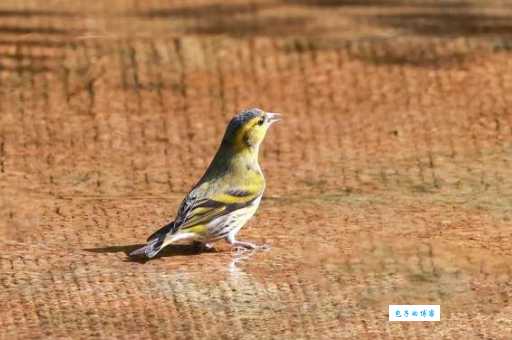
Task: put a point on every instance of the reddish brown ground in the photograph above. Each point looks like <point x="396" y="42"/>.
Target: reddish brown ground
<point x="389" y="180"/>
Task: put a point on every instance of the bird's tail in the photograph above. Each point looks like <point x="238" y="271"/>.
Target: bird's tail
<point x="151" y="248"/>
<point x="155" y="242"/>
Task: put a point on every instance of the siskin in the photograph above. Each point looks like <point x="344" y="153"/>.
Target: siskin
<point x="227" y="195"/>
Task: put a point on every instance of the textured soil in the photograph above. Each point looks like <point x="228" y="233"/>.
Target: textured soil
<point x="388" y="181"/>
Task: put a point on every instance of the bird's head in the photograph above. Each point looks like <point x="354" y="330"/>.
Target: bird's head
<point x="249" y="127"/>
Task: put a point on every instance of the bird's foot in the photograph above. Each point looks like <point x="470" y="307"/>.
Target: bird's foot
<point x="200" y="246"/>
<point x="241" y="246"/>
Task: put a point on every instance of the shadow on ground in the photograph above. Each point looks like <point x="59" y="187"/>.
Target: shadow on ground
<point x="170" y="251"/>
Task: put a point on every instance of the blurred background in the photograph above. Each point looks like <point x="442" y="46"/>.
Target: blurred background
<point x="388" y="180"/>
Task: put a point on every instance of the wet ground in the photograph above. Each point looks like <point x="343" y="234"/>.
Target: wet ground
<point x="389" y="180"/>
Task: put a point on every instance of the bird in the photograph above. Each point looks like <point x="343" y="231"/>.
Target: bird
<point x="228" y="194"/>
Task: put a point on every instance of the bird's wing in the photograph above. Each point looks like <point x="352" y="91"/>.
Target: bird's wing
<point x="198" y="212"/>
<point x="186" y="206"/>
<point x="164" y="230"/>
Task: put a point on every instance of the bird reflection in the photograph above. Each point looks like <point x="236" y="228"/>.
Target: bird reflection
<point x="234" y="266"/>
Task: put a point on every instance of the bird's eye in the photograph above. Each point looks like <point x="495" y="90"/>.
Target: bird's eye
<point x="261" y="121"/>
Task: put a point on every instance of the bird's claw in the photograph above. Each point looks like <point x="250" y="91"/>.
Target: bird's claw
<point x="241" y="250"/>
<point x="208" y="246"/>
<point x="243" y="247"/>
<point x="200" y="246"/>
<point x="265" y="247"/>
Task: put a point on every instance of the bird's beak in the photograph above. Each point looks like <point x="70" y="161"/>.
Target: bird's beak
<point x="273" y="117"/>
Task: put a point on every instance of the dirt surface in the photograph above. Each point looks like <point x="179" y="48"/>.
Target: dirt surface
<point x="389" y="180"/>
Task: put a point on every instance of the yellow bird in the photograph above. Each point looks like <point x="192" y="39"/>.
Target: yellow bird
<point x="227" y="195"/>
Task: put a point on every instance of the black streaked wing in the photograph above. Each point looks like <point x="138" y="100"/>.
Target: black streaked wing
<point x="184" y="210"/>
<point x="194" y="210"/>
<point x="216" y="209"/>
<point x="164" y="230"/>
<point x="204" y="210"/>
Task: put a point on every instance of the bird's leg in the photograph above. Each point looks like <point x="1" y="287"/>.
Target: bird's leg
<point x="208" y="246"/>
<point x="203" y="246"/>
<point x="244" y="245"/>
<point x="240" y="244"/>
